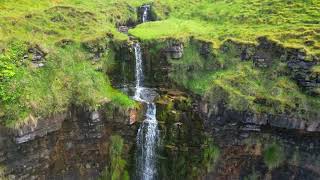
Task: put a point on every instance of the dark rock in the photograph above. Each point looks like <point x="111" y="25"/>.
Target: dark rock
<point x="175" y="51"/>
<point x="38" y="128"/>
<point x="123" y="29"/>
<point x="37" y="56"/>
<point x="62" y="145"/>
<point x="267" y="52"/>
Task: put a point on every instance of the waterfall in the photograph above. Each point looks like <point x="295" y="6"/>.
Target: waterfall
<point x="145" y="15"/>
<point x="148" y="133"/>
<point x="139" y="72"/>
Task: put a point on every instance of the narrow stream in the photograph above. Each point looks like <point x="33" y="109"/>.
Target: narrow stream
<point x="145" y="15"/>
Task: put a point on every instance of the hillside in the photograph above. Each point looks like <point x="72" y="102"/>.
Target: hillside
<point x="159" y="89"/>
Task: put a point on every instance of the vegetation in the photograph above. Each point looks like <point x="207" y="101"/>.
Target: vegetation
<point x="241" y="85"/>
<point x="67" y="78"/>
<point x="59" y="29"/>
<point x="2" y="173"/>
<point x="273" y="156"/>
<point x="253" y="176"/>
<point x="222" y="76"/>
<point x="116" y="169"/>
<point x="210" y="155"/>
<point x="294" y="23"/>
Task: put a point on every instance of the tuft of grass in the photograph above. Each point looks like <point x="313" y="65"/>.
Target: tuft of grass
<point x="116" y="168"/>
<point x="2" y="172"/>
<point x="273" y="156"/>
<point x="316" y="70"/>
<point x="211" y="153"/>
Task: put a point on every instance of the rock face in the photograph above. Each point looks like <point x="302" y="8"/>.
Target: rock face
<point x="123" y="29"/>
<point x="264" y="54"/>
<point x="75" y="146"/>
<point x="36" y="55"/>
<point x="38" y="128"/>
<point x="175" y="51"/>
<point x="218" y="114"/>
<point x="301" y="69"/>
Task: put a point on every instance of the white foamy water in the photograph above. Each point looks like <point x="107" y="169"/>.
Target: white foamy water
<point x="148" y="133"/>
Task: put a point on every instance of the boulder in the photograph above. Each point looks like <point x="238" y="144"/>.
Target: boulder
<point x="175" y="51"/>
<point x="123" y="29"/>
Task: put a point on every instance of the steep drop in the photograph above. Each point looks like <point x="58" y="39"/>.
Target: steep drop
<point x="148" y="133"/>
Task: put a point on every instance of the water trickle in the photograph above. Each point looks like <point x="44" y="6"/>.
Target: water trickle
<point x="148" y="133"/>
<point x="145" y="15"/>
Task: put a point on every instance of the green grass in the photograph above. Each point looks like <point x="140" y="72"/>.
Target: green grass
<point x="294" y="23"/>
<point x="273" y="155"/>
<point x="115" y="170"/>
<point x="69" y="76"/>
<point x="176" y="28"/>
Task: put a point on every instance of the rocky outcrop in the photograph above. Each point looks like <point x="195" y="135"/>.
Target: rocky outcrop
<point x="175" y="50"/>
<point x="123" y="29"/>
<point x="219" y="114"/>
<point x="68" y="146"/>
<point x="264" y="54"/>
<point x="98" y="46"/>
<point x="301" y="69"/>
<point x="37" y="56"/>
<point x="38" y="128"/>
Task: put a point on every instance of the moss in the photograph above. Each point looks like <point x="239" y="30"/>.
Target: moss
<point x="253" y="176"/>
<point x="211" y="153"/>
<point x="2" y="173"/>
<point x="316" y="70"/>
<point x="223" y="76"/>
<point x="116" y="168"/>
<point x="273" y="155"/>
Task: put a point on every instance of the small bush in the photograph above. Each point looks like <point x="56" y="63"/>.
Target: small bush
<point x="273" y="155"/>
<point x="116" y="167"/>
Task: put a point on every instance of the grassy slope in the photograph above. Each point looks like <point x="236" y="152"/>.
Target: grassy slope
<point x="68" y="76"/>
<point x="292" y="23"/>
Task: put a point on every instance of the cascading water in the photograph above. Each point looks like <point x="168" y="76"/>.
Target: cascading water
<point x="148" y="133"/>
<point x="145" y="15"/>
<point x="139" y="72"/>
